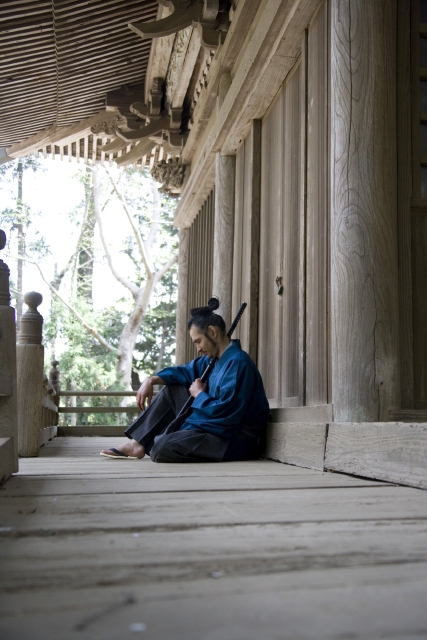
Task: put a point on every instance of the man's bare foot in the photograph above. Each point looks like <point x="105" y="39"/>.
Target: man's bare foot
<point x="130" y="448"/>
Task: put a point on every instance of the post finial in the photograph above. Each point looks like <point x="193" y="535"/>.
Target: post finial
<point x="4" y="275"/>
<point x="32" y="320"/>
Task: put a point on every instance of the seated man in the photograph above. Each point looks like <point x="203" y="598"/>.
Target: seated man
<point x="228" y="416"/>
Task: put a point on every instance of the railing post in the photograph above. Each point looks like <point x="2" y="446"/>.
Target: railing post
<point x="30" y="359"/>
<point x="8" y="404"/>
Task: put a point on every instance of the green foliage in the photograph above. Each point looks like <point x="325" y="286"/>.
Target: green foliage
<point x="84" y="363"/>
<point x="155" y="348"/>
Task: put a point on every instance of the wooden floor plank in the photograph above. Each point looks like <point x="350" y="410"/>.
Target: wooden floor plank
<point x="191" y="509"/>
<point x="76" y="485"/>
<point x="35" y="562"/>
<point x="256" y="550"/>
<point x="360" y="602"/>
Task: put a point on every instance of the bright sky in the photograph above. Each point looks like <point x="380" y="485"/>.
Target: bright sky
<point x="54" y="194"/>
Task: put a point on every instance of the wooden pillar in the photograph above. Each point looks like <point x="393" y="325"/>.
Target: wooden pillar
<point x="30" y="359"/>
<point x="224" y="234"/>
<point x="225" y="171"/>
<point x="182" y="310"/>
<point x="364" y="281"/>
<point x="8" y="400"/>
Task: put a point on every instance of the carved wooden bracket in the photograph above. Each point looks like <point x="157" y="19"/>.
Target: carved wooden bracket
<point x="170" y="173"/>
<point x="154" y="128"/>
<point x="108" y="126"/>
<point x="207" y="16"/>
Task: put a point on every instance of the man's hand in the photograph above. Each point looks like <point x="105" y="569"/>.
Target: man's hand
<point x="197" y="387"/>
<point x="146" y="390"/>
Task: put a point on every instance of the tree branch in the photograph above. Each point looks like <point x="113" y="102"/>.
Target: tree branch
<point x="91" y="330"/>
<point x="142" y="250"/>
<point x="161" y="272"/>
<point x="122" y="279"/>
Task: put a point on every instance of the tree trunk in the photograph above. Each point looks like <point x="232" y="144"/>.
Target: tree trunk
<point x="131" y="330"/>
<point x="21" y="248"/>
<point x="86" y="253"/>
<point x="162" y="345"/>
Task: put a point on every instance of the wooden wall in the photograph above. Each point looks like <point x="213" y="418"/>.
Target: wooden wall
<point x="246" y="239"/>
<point x="200" y="262"/>
<point x="282" y="210"/>
<point x="317" y="294"/>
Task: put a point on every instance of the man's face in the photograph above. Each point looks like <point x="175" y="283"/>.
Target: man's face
<point x="206" y="345"/>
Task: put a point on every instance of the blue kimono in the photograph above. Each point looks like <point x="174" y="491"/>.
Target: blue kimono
<point x="234" y="399"/>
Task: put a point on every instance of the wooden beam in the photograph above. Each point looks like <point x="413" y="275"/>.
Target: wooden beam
<point x="301" y="444"/>
<point x="392" y="451"/>
<point x="179" y="19"/>
<point x="270" y="51"/>
<point x="61" y="135"/>
<point x="160" y="51"/>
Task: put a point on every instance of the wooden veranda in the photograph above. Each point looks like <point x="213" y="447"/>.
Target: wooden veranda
<point x="99" y="549"/>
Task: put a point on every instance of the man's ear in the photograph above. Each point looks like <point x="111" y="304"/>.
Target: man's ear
<point x="212" y="331"/>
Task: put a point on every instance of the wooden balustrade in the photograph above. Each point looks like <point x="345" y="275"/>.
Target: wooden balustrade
<point x="8" y="401"/>
<point x="37" y="409"/>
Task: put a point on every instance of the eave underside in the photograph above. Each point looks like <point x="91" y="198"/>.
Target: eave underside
<point x="60" y="58"/>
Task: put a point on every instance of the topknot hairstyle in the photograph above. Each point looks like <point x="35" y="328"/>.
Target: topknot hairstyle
<point x="204" y="317"/>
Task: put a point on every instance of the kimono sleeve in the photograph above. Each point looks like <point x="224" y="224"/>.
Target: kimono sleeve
<point x="225" y="409"/>
<point x="184" y="374"/>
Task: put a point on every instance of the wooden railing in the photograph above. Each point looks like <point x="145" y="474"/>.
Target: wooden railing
<point x="37" y="395"/>
<point x="95" y="429"/>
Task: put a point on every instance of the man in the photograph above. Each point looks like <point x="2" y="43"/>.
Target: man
<point x="228" y="416"/>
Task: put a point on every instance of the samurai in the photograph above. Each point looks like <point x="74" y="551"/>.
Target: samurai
<point x="228" y="416"/>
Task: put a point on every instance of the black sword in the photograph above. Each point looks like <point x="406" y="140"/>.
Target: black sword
<point x="207" y="371"/>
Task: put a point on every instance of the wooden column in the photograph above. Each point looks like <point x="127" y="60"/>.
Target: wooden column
<point x="225" y="170"/>
<point x="182" y="310"/>
<point x="246" y="238"/>
<point x="30" y="360"/>
<point x="364" y="282"/>
<point x="8" y="400"/>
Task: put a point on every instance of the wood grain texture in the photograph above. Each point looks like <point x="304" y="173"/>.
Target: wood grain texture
<point x="281" y="212"/>
<point x="46" y="434"/>
<point x="8" y="404"/>
<point x="404" y="192"/>
<point x="364" y="282"/>
<point x="7" y="462"/>
<point x="30" y="361"/>
<point x="317" y="217"/>
<point x="419" y="309"/>
<point x="182" y="304"/>
<point x="271" y="48"/>
<point x="391" y="451"/>
<point x="302" y="444"/>
<point x="320" y="413"/>
<point x="197" y="287"/>
<point x="246" y="238"/>
<point x="222" y="277"/>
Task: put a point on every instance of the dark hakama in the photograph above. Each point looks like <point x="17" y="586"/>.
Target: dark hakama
<point x="226" y="422"/>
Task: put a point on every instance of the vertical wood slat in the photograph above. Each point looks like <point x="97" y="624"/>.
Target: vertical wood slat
<point x="317" y="216"/>
<point x="293" y="131"/>
<point x="415" y="86"/>
<point x="404" y="192"/>
<point x="182" y="305"/>
<point x="419" y="267"/>
<point x="246" y="238"/>
<point x="200" y="261"/>
<point x="269" y="339"/>
<point x="364" y="291"/>
<point x="281" y="213"/>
